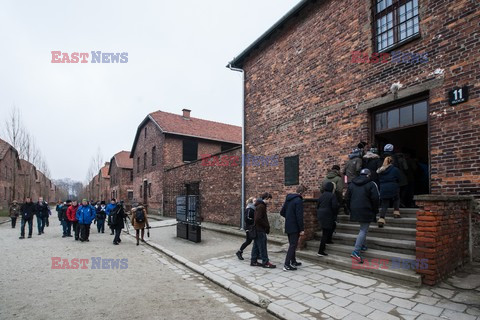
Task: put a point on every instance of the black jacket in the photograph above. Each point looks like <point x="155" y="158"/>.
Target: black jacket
<point x="362" y="199"/>
<point x="62" y="213"/>
<point x="249" y="216"/>
<point x="42" y="210"/>
<point x="28" y="210"/>
<point x="292" y="211"/>
<point x="389" y="182"/>
<point x="261" y="218"/>
<point x="118" y="217"/>
<point x="327" y="210"/>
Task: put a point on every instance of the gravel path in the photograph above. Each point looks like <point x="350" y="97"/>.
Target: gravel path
<point x="151" y="287"/>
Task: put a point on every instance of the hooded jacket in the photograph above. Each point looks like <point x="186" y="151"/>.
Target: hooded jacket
<point x="28" y="210"/>
<point x="362" y="199"/>
<point x="372" y="162"/>
<point x="42" y="210"/>
<point x="389" y="178"/>
<point x="401" y="164"/>
<point x="353" y="166"/>
<point x="86" y="214"/>
<point x="292" y="211"/>
<point x="14" y="210"/>
<point x="72" y="212"/>
<point x="260" y="217"/>
<point x="327" y="208"/>
<point x="335" y="177"/>
<point x="249" y="215"/>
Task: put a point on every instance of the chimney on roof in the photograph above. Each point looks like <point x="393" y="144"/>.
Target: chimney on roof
<point x="186" y="113"/>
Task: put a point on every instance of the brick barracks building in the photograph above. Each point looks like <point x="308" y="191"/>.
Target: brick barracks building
<point x="166" y="155"/>
<point x="121" y="177"/>
<point x="322" y="79"/>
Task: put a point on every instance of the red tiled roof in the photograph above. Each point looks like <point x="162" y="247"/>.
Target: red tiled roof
<point x="123" y="160"/>
<point x="206" y="129"/>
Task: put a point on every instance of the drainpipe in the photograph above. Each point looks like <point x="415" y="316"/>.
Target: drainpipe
<point x="242" y="214"/>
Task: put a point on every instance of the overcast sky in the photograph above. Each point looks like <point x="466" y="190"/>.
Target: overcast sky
<point x="177" y="52"/>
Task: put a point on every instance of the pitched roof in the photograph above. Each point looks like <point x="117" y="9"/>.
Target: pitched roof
<point x="104" y="170"/>
<point x="122" y="160"/>
<point x="171" y="123"/>
<point x="238" y="61"/>
<point x="4" y="147"/>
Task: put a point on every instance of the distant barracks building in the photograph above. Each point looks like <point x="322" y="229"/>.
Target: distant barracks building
<point x="322" y="79"/>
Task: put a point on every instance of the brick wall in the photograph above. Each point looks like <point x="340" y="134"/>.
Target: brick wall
<point x="6" y="178"/>
<point x="304" y="96"/>
<point x="120" y="181"/>
<point x="442" y="235"/>
<point x="219" y="188"/>
<point x="173" y="151"/>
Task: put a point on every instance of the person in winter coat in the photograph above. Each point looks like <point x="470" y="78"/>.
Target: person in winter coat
<point x="101" y="216"/>
<point x="27" y="211"/>
<point x="292" y="211"/>
<point x="248" y="219"/>
<point x="14" y="212"/>
<point x="389" y="177"/>
<point x="72" y="218"/>
<point x="85" y="214"/>
<point x="139" y="219"/>
<point x="262" y="228"/>
<point x="117" y="219"/>
<point x="372" y="162"/>
<point x="400" y="162"/>
<point x="108" y="210"/>
<point x="327" y="211"/>
<point x="362" y="201"/>
<point x="62" y="216"/>
<point x="354" y="165"/>
<point x="336" y="178"/>
<point x="41" y="211"/>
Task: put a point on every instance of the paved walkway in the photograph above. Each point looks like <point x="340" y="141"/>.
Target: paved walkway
<point x="316" y="291"/>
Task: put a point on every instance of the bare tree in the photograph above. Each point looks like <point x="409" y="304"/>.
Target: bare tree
<point x="95" y="164"/>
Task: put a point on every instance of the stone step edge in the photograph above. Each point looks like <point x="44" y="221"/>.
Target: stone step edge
<point x="408" y="244"/>
<point x="255" y="298"/>
<point x="374" y="227"/>
<point x="394" y="276"/>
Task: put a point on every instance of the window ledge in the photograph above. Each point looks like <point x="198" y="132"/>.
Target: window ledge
<point x="400" y="44"/>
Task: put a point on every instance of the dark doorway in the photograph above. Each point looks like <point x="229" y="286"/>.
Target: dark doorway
<point x="145" y="192"/>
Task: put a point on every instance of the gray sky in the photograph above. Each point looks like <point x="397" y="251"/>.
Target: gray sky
<point x="177" y="52"/>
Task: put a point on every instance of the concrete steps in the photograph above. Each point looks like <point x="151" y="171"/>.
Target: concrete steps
<point x="400" y="233"/>
<point x="403" y="222"/>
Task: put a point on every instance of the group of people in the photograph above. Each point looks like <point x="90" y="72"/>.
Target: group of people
<point x="77" y="218"/>
<point x="372" y="182"/>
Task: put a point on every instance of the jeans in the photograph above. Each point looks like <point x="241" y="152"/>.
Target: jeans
<point x="68" y="227"/>
<point x="84" y="232"/>
<point x="362" y="235"/>
<point x="293" y="242"/>
<point x="64" y="227"/>
<point x="41" y="224"/>
<point x="14" y="221"/>
<point x="386" y="202"/>
<point x="118" y="231"/>
<point x="246" y="243"/>
<point x="76" y="229"/>
<point x="30" y="227"/>
<point x="326" y="237"/>
<point x="260" y="248"/>
<point x="101" y="226"/>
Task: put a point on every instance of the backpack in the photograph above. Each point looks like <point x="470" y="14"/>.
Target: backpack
<point x="116" y="215"/>
<point x="139" y="215"/>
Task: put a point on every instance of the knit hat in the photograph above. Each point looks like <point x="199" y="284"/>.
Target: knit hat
<point x="102" y="202"/>
<point x="365" y="172"/>
<point x="388" y="148"/>
<point x="336" y="167"/>
<point x="374" y="150"/>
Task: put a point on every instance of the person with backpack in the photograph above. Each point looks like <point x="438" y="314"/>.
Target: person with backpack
<point x="72" y="219"/>
<point x="139" y="220"/>
<point x="400" y="162"/>
<point x="248" y="221"/>
<point x="362" y="200"/>
<point x="389" y="177"/>
<point x="27" y="211"/>
<point x="327" y="211"/>
<point x="372" y="162"/>
<point x="117" y="217"/>
<point x="262" y="228"/>
<point x="14" y="212"/>
<point x="108" y="210"/>
<point x="62" y="216"/>
<point x="100" y="217"/>
<point x="353" y="165"/>
<point x="292" y="211"/>
<point x="85" y="215"/>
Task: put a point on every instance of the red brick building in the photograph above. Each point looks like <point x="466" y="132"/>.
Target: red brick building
<point x="121" y="176"/>
<point x="322" y="79"/>
<point x="166" y="140"/>
<point x="27" y="181"/>
<point x="104" y="183"/>
<point x="9" y="166"/>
